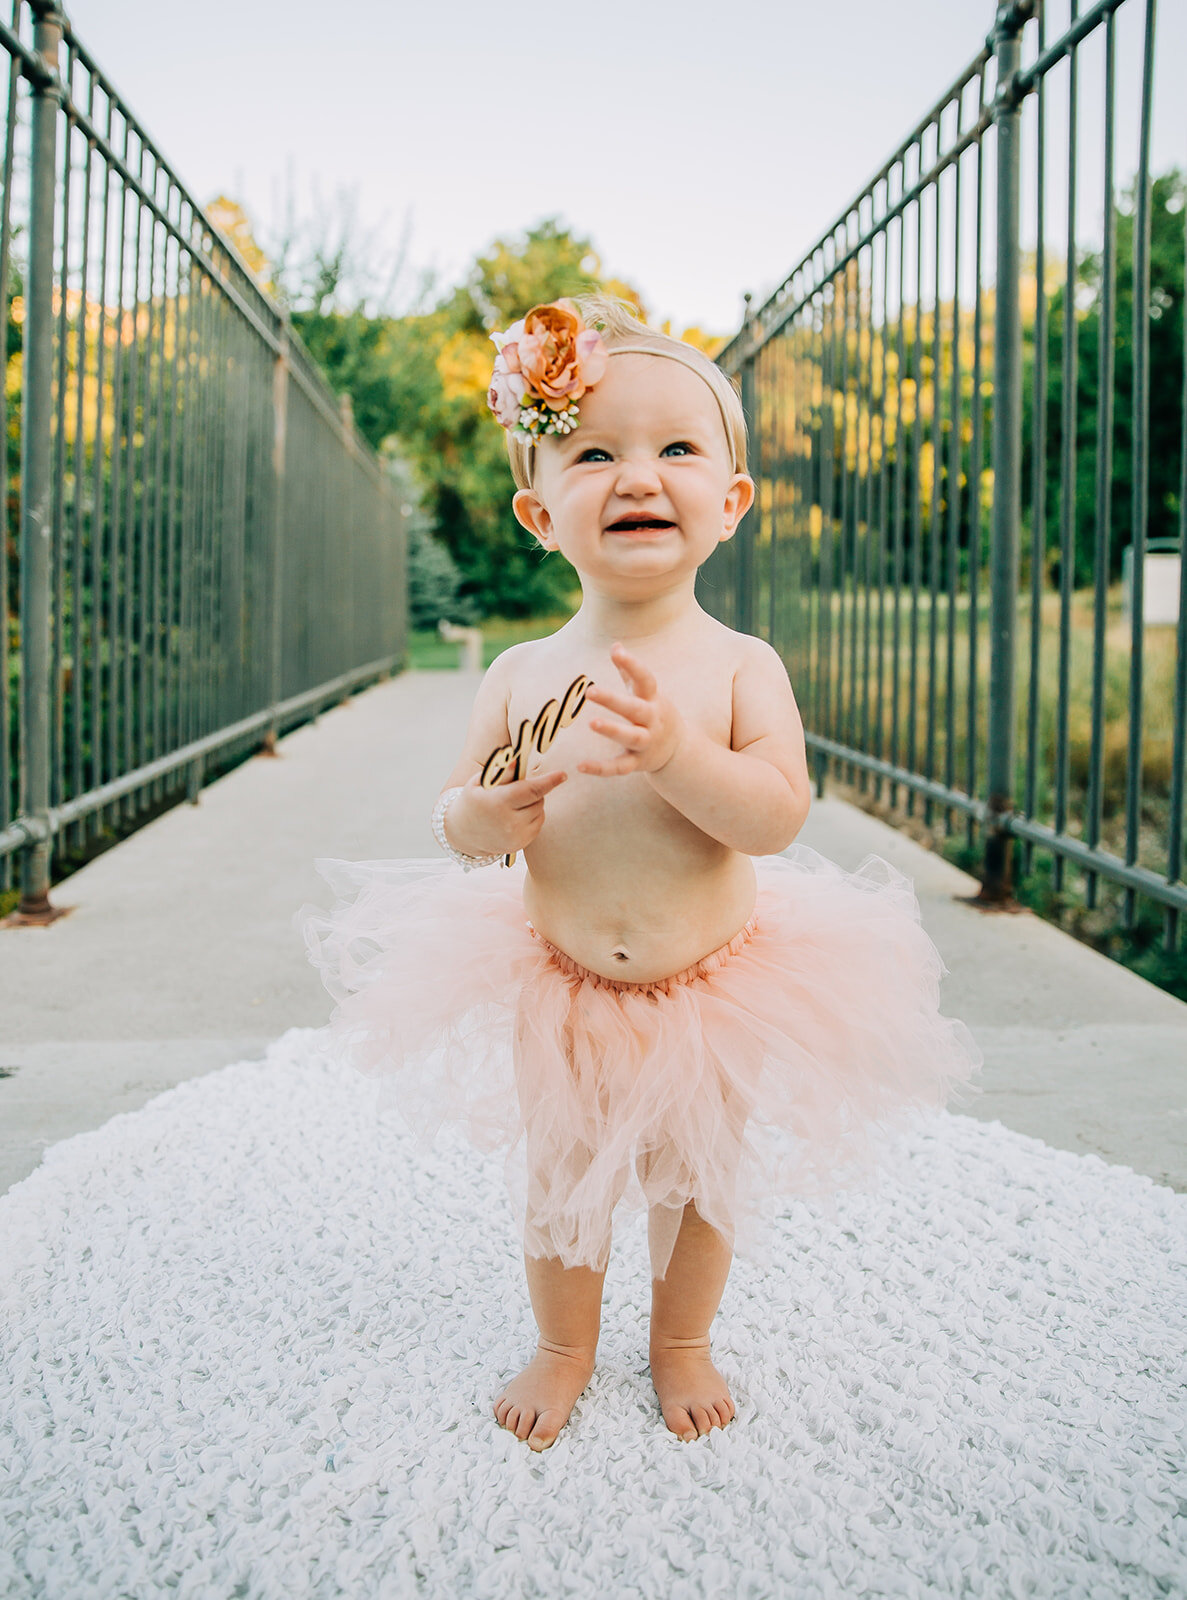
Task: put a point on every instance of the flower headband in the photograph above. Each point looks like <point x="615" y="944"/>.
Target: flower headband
<point x="546" y="362"/>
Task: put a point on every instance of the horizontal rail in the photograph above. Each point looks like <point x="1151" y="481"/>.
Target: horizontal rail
<point x="24" y="831"/>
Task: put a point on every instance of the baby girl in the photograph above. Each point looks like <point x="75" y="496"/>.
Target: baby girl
<point x="654" y="1003"/>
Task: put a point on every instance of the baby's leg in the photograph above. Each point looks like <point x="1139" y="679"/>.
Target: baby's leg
<point x="567" y="1303"/>
<point x="692" y="1393"/>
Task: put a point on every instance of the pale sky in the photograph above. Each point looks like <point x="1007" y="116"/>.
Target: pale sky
<point x="703" y="146"/>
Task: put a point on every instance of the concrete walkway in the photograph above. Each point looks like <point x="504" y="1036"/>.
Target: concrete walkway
<point x="179" y="954"/>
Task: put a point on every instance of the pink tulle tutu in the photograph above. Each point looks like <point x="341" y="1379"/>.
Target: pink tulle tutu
<point x="772" y="1066"/>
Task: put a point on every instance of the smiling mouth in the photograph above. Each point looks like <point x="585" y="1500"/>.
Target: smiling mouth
<point x="639" y="525"/>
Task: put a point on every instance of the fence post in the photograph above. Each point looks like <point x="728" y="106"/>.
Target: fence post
<point x="280" y="404"/>
<point x="1006" y="451"/>
<point x="744" y="533"/>
<point x="37" y="475"/>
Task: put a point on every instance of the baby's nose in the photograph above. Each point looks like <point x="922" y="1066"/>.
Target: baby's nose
<point x="637" y="477"/>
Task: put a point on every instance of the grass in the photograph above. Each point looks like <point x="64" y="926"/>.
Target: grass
<point x="428" y="652"/>
<point x="865" y="719"/>
<point x="1137" y="934"/>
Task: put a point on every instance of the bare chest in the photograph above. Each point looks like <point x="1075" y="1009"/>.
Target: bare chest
<point x="701" y="691"/>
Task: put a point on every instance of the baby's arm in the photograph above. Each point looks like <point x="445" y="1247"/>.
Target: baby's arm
<point x="753" y="797"/>
<point x="508" y="817"/>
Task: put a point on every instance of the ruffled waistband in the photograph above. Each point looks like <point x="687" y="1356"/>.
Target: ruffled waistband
<point x="699" y="969"/>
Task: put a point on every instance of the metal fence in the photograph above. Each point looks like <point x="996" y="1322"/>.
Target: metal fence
<point x="199" y="550"/>
<point x="950" y="405"/>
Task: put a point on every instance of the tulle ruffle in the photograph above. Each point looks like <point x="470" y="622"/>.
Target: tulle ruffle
<point x="775" y="1066"/>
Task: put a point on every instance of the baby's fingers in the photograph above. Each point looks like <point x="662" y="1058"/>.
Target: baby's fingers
<point x="530" y="791"/>
<point x="625" y="733"/>
<point x="610" y="769"/>
<point x="639" y="677"/>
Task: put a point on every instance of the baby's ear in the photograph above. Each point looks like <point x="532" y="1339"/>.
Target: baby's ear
<point x="532" y="514"/>
<point x="739" y="497"/>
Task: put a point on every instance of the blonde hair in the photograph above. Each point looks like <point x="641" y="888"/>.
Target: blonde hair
<point x="625" y="334"/>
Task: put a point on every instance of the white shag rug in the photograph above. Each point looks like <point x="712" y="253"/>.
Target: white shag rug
<point x="251" y="1335"/>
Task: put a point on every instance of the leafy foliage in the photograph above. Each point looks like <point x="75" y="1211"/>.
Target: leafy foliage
<point x="1167" y="200"/>
<point x="421" y="380"/>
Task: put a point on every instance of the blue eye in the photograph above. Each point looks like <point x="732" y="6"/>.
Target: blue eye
<point x="594" y="450"/>
<point x="680" y="445"/>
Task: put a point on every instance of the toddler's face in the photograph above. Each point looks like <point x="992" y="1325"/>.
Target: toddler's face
<point x="644" y="488"/>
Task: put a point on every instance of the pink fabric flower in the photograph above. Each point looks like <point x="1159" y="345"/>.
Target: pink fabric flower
<point x="506" y="344"/>
<point x="505" y="394"/>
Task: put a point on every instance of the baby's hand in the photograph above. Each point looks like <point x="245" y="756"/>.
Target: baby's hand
<point x="652" y="727"/>
<point x="502" y="820"/>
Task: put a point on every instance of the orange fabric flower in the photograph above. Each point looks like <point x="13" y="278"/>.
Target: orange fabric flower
<point x="558" y="356"/>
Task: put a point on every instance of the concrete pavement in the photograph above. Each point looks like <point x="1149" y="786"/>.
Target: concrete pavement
<point x="179" y="954"/>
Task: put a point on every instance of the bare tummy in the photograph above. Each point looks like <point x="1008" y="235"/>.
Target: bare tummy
<point x="617" y="878"/>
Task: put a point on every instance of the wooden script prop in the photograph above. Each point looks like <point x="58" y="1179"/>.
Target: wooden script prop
<point x="507" y="763"/>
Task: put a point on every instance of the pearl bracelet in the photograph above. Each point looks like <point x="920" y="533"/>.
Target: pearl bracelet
<point x="467" y="863"/>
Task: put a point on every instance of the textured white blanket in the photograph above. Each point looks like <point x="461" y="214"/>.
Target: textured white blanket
<point x="251" y="1335"/>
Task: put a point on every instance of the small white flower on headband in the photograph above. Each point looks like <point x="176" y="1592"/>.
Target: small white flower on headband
<point x="546" y="362"/>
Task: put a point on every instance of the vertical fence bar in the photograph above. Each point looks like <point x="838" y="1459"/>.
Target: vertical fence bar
<point x="1174" y="843"/>
<point x="976" y="451"/>
<point x="6" y="794"/>
<point x="1067" y="476"/>
<point x="934" y="519"/>
<point x="1140" y="401"/>
<point x="916" y="496"/>
<point x="955" y="446"/>
<point x="83" y="651"/>
<point x="280" y="398"/>
<point x="58" y="568"/>
<point x="865" y="676"/>
<point x="1005" y="448"/>
<point x="1094" y="802"/>
<point x="883" y="513"/>
<point x="37" y="474"/>
<point x="745" y="534"/>
<point x="840" y="726"/>
<point x="1038" y="474"/>
<point x="895" y="749"/>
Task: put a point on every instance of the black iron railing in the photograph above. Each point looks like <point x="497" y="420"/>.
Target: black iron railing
<point x="950" y="405"/>
<point x="199" y="549"/>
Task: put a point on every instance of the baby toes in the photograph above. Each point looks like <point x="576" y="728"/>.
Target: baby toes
<point x="702" y="1419"/>
<point x="681" y="1424"/>
<point x="548" y="1425"/>
<point x="512" y="1420"/>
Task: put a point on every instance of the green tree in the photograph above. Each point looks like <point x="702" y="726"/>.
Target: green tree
<point x="1167" y="200"/>
<point x="421" y="380"/>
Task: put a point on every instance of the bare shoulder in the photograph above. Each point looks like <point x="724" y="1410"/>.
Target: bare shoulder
<point x="766" y="719"/>
<point x="756" y="655"/>
<point x="521" y="657"/>
<point x="489" y="721"/>
<point x="752" y="659"/>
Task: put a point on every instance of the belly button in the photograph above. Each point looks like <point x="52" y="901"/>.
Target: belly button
<point x="621" y="955"/>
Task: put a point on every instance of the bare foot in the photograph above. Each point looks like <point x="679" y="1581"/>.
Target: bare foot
<point x="535" y="1406"/>
<point x="693" y="1395"/>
